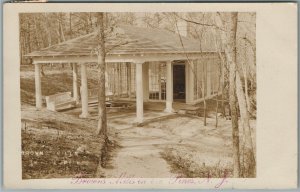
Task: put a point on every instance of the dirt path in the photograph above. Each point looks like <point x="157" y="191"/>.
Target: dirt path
<point x="139" y="155"/>
<point x="141" y="147"/>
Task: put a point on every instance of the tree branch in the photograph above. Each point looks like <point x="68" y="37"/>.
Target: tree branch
<point x="251" y="44"/>
<point x="118" y="45"/>
<point x="203" y="24"/>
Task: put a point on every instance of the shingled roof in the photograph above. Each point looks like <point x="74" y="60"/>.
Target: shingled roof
<point x="129" y="40"/>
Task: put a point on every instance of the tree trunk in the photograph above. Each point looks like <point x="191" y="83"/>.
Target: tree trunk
<point x="102" y="123"/>
<point x="204" y="85"/>
<point x="220" y="86"/>
<point x="28" y="38"/>
<point x="224" y="73"/>
<point x="90" y="21"/>
<point x="230" y="52"/>
<point x="36" y="34"/>
<point x="245" y="73"/>
<point x="61" y="29"/>
<point x="247" y="90"/>
<point x="249" y="165"/>
<point x="70" y="25"/>
<point x="47" y="28"/>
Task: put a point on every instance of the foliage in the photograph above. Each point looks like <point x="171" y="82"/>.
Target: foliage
<point x="57" y="152"/>
<point x="187" y="163"/>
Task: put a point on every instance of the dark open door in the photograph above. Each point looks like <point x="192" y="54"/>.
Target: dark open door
<point x="179" y="82"/>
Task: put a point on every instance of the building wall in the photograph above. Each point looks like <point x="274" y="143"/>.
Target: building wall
<point x="202" y="79"/>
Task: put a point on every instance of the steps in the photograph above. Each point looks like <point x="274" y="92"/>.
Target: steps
<point x="192" y="110"/>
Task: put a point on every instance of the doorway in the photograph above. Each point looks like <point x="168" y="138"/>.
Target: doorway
<point x="179" y="82"/>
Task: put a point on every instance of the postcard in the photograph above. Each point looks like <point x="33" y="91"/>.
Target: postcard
<point x="150" y="96"/>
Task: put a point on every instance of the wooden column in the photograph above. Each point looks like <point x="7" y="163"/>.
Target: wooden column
<point x="75" y="85"/>
<point x="139" y="93"/>
<point x="129" y="80"/>
<point x="84" y="92"/>
<point x="38" y="87"/>
<point x="146" y="81"/>
<point x="115" y="70"/>
<point x="189" y="82"/>
<point x="159" y="80"/>
<point x="119" y="82"/>
<point x="169" y="87"/>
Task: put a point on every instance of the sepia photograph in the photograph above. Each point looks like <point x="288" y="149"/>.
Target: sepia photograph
<point x="150" y="96"/>
<point x="138" y="95"/>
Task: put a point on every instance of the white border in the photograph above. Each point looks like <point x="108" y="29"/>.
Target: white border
<point x="276" y="96"/>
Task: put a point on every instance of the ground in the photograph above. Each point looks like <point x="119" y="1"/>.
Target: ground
<point x="161" y="148"/>
<point x="60" y="144"/>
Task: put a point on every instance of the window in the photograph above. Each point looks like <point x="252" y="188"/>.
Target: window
<point x="157" y="81"/>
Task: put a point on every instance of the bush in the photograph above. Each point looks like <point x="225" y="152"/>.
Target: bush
<point x="186" y="163"/>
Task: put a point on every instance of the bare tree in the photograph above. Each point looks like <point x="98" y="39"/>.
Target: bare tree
<point x="230" y="53"/>
<point x="237" y="94"/>
<point x="101" y="54"/>
<point x="47" y="29"/>
<point x="249" y="163"/>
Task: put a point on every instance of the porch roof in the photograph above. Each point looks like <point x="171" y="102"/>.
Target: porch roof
<point x="128" y="40"/>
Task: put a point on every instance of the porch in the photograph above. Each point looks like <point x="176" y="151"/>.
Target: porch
<point x="153" y="111"/>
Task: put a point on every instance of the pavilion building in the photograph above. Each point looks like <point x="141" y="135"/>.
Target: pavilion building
<point x="141" y="64"/>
